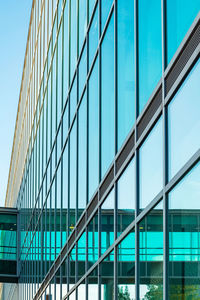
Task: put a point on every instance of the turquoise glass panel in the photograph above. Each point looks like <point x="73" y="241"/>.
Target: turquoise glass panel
<point x="93" y="36"/>
<point x="105" y="9"/>
<point x="180" y="15"/>
<point x="54" y="101"/>
<point x="82" y="71"/>
<point x="82" y="22"/>
<point x="91" y="7"/>
<point x="93" y="155"/>
<point x="125" y="69"/>
<point x="65" y="192"/>
<point x="59" y="76"/>
<point x="184" y="122"/>
<point x="65" y="51"/>
<point x="184" y="237"/>
<point x="151" y="165"/>
<point x="126" y="197"/>
<point x="73" y="163"/>
<point x="151" y="254"/>
<point x="150" y="48"/>
<point x="82" y="155"/>
<point x="73" y="36"/>
<point x="107" y="99"/>
<point x="93" y="241"/>
<point x="73" y="100"/>
<point x="107" y="222"/>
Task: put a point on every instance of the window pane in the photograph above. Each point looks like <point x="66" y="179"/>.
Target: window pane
<point x="73" y="162"/>
<point x="107" y="222"/>
<point x="82" y="71"/>
<point x="82" y="155"/>
<point x="184" y="122"/>
<point x="93" y="285"/>
<point x="126" y="267"/>
<point x="184" y="238"/>
<point x="82" y="22"/>
<point x="107" y="99"/>
<point x="150" y="48"/>
<point x="73" y="100"/>
<point x="93" y="241"/>
<point x="66" y="51"/>
<point x="93" y="36"/>
<point x="93" y="130"/>
<point x="151" y="165"/>
<point x="91" y="7"/>
<point x="126" y="197"/>
<point x="151" y="254"/>
<point x="73" y="36"/>
<point x="125" y="69"/>
<point x="105" y="9"/>
<point x="107" y="277"/>
<point x="180" y="15"/>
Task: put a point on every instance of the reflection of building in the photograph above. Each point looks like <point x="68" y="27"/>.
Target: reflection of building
<point x="105" y="163"/>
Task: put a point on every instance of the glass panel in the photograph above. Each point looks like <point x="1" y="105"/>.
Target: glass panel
<point x="59" y="76"/>
<point x="65" y="123"/>
<point x="81" y="291"/>
<point x="64" y="278"/>
<point x="184" y="122"/>
<point x="126" y="268"/>
<point x="93" y="241"/>
<point x="151" y="254"/>
<point x="81" y="255"/>
<point x="66" y="51"/>
<point x="125" y="69"/>
<point x="126" y="197"/>
<point x="107" y="99"/>
<point x="180" y="15"/>
<point x="73" y="36"/>
<point x="184" y="237"/>
<point x="82" y="155"/>
<point x="105" y="9"/>
<point x="93" y="155"/>
<point x="82" y="22"/>
<point x="150" y="48"/>
<point x="72" y="261"/>
<point x="93" y="36"/>
<point x="73" y="162"/>
<point x="82" y="71"/>
<point x="151" y="165"/>
<point x="91" y="7"/>
<point x="107" y="222"/>
<point x="93" y="285"/>
<point x="73" y="100"/>
<point x="107" y="278"/>
<point x="65" y="225"/>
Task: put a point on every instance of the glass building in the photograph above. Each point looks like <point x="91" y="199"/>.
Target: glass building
<point x="105" y="165"/>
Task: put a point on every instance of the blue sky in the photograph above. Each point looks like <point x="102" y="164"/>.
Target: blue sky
<point x="14" y="22"/>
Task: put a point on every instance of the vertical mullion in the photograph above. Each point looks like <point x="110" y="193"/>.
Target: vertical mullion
<point x="165" y="163"/>
<point x="137" y="266"/>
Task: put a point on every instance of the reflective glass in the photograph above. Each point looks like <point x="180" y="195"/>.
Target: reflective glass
<point x="93" y="36"/>
<point x="81" y="255"/>
<point x="91" y="7"/>
<point x="73" y="36"/>
<point x="126" y="268"/>
<point x="125" y="69"/>
<point x="150" y="48"/>
<point x="93" y="155"/>
<point x="81" y="291"/>
<point x="66" y="51"/>
<point x="107" y="99"/>
<point x="73" y="162"/>
<point x="53" y="99"/>
<point x="73" y="100"/>
<point x="82" y="71"/>
<point x="107" y="278"/>
<point x="65" y="123"/>
<point x="93" y="285"/>
<point x="82" y="155"/>
<point x="151" y="165"/>
<point x="184" y="122"/>
<point x="59" y="75"/>
<point x="93" y="241"/>
<point x="126" y="197"/>
<point x="180" y="15"/>
<point x="82" y="22"/>
<point x="105" y="9"/>
<point x="151" y="254"/>
<point x="184" y="238"/>
<point x="107" y="222"/>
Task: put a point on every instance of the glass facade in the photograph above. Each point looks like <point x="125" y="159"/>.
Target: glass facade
<point x="105" y="163"/>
